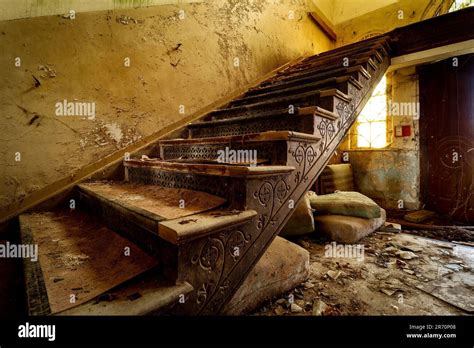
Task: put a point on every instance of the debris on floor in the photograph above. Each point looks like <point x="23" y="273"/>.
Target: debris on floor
<point x="400" y="274"/>
<point x="419" y="216"/>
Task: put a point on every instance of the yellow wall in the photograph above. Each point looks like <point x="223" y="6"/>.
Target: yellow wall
<point x="395" y="14"/>
<point x="88" y="54"/>
<point x="14" y="9"/>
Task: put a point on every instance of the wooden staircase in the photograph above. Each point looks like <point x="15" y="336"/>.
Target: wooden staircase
<point x="294" y="121"/>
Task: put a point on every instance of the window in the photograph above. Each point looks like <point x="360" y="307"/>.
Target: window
<point x="372" y="122"/>
<point x="460" y="4"/>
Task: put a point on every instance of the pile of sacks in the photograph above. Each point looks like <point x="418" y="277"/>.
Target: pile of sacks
<point x="343" y="216"/>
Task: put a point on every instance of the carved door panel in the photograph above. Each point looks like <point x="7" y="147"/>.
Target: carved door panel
<point x="447" y="137"/>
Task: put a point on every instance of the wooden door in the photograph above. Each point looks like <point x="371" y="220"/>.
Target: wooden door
<point x="447" y="137"/>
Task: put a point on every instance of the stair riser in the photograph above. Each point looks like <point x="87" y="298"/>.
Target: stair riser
<point x="296" y="123"/>
<point x="274" y="151"/>
<point x="309" y="79"/>
<point x="342" y="86"/>
<point x="230" y="188"/>
<point x="291" y="102"/>
<point x="333" y="104"/>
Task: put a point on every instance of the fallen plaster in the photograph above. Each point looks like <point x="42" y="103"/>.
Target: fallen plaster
<point x="387" y="281"/>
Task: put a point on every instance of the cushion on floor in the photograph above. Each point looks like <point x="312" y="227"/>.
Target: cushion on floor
<point x="337" y="177"/>
<point x="345" y="203"/>
<point x="283" y="266"/>
<point x="301" y="221"/>
<point x="347" y="229"/>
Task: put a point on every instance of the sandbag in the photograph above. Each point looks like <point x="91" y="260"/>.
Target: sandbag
<point x="345" y="203"/>
<point x="301" y="221"/>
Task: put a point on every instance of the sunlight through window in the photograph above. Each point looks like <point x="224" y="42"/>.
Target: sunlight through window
<point x="460" y="4"/>
<point x="372" y="121"/>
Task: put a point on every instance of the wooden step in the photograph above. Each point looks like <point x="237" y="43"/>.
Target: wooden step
<point x="373" y="62"/>
<point x="272" y="145"/>
<point x="144" y="295"/>
<point x="221" y="170"/>
<point x="135" y="210"/>
<point x="364" y="62"/>
<point x="377" y="54"/>
<point x="325" y="98"/>
<point x="186" y="229"/>
<point x="76" y="252"/>
<point x="368" y="62"/>
<point x="343" y="84"/>
<point x="357" y="72"/>
<point x="156" y="210"/>
<point x="150" y="201"/>
<point x="226" y="181"/>
<point x="302" y="121"/>
<point x="354" y="47"/>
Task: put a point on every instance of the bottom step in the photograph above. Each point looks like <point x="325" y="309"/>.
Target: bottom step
<point x="145" y="295"/>
<point x="78" y="259"/>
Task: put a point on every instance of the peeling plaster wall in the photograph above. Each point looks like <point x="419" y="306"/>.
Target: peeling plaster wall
<point x="388" y="176"/>
<point x="392" y="174"/>
<point x="173" y="62"/>
<point x="14" y="9"/>
<point x="383" y="19"/>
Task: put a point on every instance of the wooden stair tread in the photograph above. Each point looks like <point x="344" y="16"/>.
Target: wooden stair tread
<point x="319" y="70"/>
<point x="184" y="229"/>
<point x="318" y="93"/>
<point x="261" y="115"/>
<point x="144" y="295"/>
<point x="373" y="53"/>
<point x="316" y="110"/>
<point x="244" y="138"/>
<point x="311" y="78"/>
<point x="211" y="169"/>
<point x="154" y="202"/>
<point x="314" y="76"/>
<point x="360" y="45"/>
<point x="301" y="88"/>
<point x="77" y="255"/>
